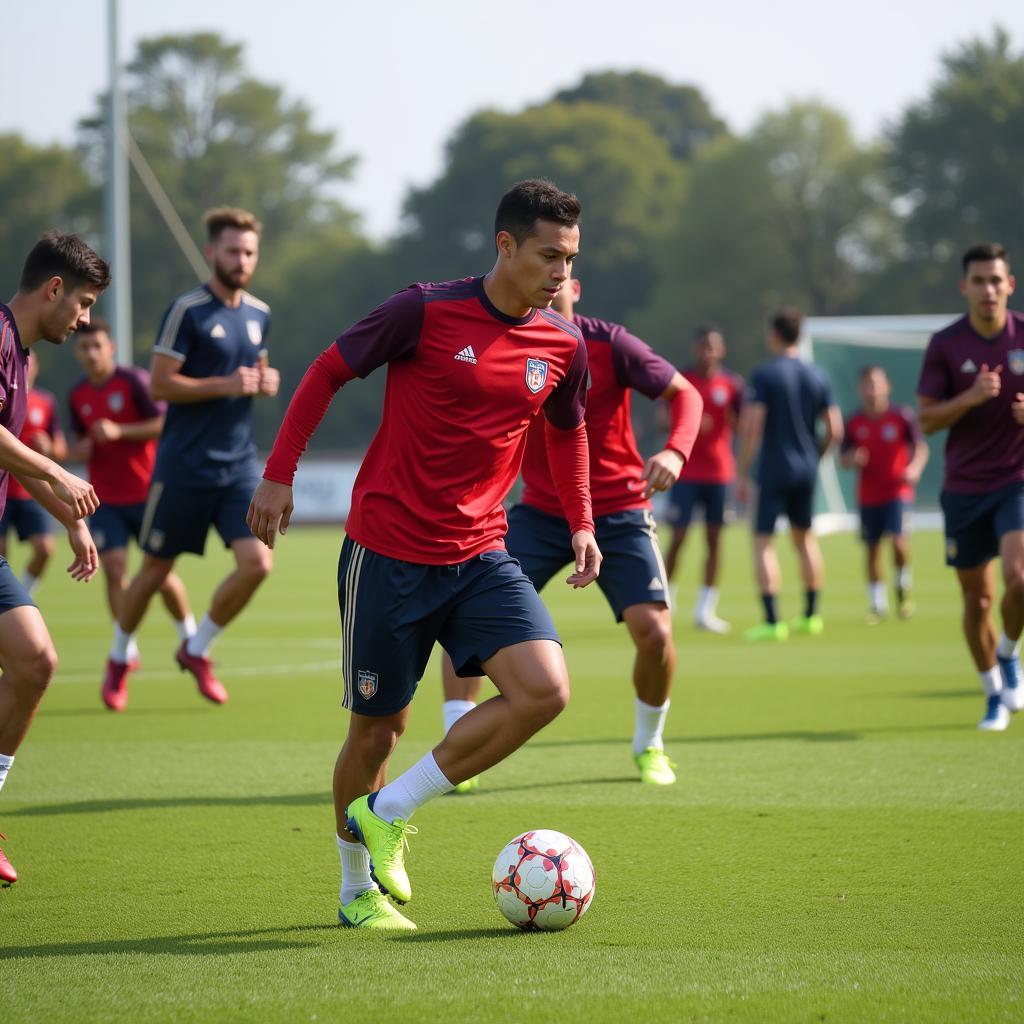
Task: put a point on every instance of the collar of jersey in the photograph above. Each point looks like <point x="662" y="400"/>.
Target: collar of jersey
<point x="515" y="321"/>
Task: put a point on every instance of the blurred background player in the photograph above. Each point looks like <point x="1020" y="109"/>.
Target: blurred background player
<point x="633" y="578"/>
<point x="972" y="382"/>
<point x="115" y="424"/>
<point x="26" y="517"/>
<point x="787" y="402"/>
<point x="61" y="280"/>
<point x="884" y="442"/>
<point x="710" y="470"/>
<point x="209" y="363"/>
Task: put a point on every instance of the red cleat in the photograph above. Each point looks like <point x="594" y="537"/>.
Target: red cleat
<point x="115" y="685"/>
<point x="202" y="668"/>
<point x="7" y="873"/>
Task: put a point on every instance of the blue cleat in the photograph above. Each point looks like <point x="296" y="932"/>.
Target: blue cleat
<point x="997" y="718"/>
<point x="1012" y="695"/>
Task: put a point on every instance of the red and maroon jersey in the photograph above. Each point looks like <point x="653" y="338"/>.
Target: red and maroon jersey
<point x="712" y="460"/>
<point x="119" y="471"/>
<point x="464" y="381"/>
<point x="41" y="417"/>
<point x="13" y="386"/>
<point x="619" y="364"/>
<point x="889" y="440"/>
<point x="985" y="447"/>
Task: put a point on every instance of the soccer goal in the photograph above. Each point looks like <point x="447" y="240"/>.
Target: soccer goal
<point x="842" y="346"/>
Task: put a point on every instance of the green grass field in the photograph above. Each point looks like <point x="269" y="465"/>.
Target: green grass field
<point x="843" y="845"/>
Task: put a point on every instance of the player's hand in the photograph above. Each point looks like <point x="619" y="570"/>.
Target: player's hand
<point x="270" y="381"/>
<point x="588" y="559"/>
<point x="244" y="381"/>
<point x="1018" y="409"/>
<point x="911" y="475"/>
<point x="662" y="471"/>
<point x="40" y="442"/>
<point x="87" y="560"/>
<point x="986" y="385"/>
<point x="103" y="431"/>
<point x="861" y="456"/>
<point x="270" y="511"/>
<point x="75" y="492"/>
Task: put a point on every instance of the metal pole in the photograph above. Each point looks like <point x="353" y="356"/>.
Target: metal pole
<point x="116" y="214"/>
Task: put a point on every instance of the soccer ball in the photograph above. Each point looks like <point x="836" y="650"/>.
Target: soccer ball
<point x="543" y="880"/>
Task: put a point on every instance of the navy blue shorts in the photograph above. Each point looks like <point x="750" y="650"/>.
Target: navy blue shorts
<point x="12" y="592"/>
<point x="26" y="517"/>
<point x="632" y="571"/>
<point x="684" y="497"/>
<point x="878" y="520"/>
<point x="975" y="524"/>
<point x="177" y="519"/>
<point x="795" y="501"/>
<point x="393" y="612"/>
<point x="112" y="525"/>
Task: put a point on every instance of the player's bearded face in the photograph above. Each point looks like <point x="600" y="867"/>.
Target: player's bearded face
<point x="234" y="257"/>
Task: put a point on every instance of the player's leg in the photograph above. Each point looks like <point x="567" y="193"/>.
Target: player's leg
<point x="878" y="598"/>
<point x="766" y="567"/>
<point x="799" y="509"/>
<point x="681" y="499"/>
<point x="1011" y="555"/>
<point x="705" y="615"/>
<point x="42" y="547"/>
<point x="175" y="598"/>
<point x="901" y="559"/>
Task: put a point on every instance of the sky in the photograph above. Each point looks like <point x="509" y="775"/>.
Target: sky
<point x="393" y="80"/>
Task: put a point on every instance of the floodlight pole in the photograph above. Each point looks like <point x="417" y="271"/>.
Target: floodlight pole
<point x="118" y="242"/>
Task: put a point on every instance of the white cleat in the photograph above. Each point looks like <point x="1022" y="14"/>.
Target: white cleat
<point x="997" y="718"/>
<point x="711" y="623"/>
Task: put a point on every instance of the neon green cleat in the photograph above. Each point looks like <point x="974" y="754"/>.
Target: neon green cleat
<point x="809" y="625"/>
<point x="372" y="910"/>
<point x="467" y="786"/>
<point x="767" y="631"/>
<point x="655" y="767"/>
<point x="386" y="843"/>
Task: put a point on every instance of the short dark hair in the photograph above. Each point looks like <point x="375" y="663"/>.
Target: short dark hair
<point x="787" y="324"/>
<point x="866" y="371"/>
<point x="96" y="325"/>
<point x="705" y="329"/>
<point x="983" y="252"/>
<point x="66" y="256"/>
<point x="221" y="217"/>
<point x="535" y="199"/>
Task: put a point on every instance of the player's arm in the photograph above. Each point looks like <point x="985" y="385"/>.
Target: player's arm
<point x="86" y="560"/>
<point x="686" y="408"/>
<point x="832" y="429"/>
<point x="168" y="384"/>
<point x="936" y="411"/>
<point x="28" y="465"/>
<point x="918" y="449"/>
<point x="103" y="431"/>
<point x="270" y="379"/>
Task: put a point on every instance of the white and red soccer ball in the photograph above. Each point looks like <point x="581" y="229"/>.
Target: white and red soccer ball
<point x="543" y="880"/>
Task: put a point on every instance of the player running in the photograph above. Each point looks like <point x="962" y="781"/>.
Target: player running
<point x="470" y="363"/>
<point x="116" y="424"/>
<point x="633" y="578"/>
<point x="710" y="470"/>
<point x="972" y="382"/>
<point x="786" y="401"/>
<point x="209" y="363"/>
<point x="61" y="280"/>
<point x="26" y="517"/>
<point x="884" y="442"/>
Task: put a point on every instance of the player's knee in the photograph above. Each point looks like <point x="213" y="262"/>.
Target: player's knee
<point x="977" y="602"/>
<point x="257" y="565"/>
<point x="378" y="739"/>
<point x="34" y="673"/>
<point x="551" y="699"/>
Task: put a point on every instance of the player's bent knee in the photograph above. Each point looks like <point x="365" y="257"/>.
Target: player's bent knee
<point x="32" y="674"/>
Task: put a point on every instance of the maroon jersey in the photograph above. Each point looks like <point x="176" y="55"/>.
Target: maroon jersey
<point x="40" y="418"/>
<point x="985" y="447"/>
<point x="712" y="460"/>
<point x="619" y="364"/>
<point x="13" y="386"/>
<point x="119" y="471"/>
<point x="889" y="440"/>
<point x="464" y="381"/>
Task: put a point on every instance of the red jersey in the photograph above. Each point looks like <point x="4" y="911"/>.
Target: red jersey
<point x="464" y="381"/>
<point x="619" y="364"/>
<point x="712" y="460"/>
<point x="40" y="418"/>
<point x="119" y="471"/>
<point x="889" y="440"/>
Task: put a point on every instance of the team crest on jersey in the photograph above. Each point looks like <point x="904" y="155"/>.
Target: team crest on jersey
<point x="255" y="331"/>
<point x="36" y="417"/>
<point x="366" y="683"/>
<point x="889" y="432"/>
<point x="1015" y="360"/>
<point x="536" y="374"/>
<point x="719" y="396"/>
<point x="115" y="401"/>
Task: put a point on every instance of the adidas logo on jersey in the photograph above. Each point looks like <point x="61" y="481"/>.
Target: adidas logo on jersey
<point x="467" y="355"/>
<point x="968" y="367"/>
<point x="217" y="331"/>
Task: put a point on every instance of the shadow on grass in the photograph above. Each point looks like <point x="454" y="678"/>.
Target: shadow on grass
<point x="619" y="780"/>
<point x="155" y="803"/>
<point x="461" y="935"/>
<point x="101" y="712"/>
<point x="257" y="940"/>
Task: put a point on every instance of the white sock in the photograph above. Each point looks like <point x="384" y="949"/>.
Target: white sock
<point x="122" y="641"/>
<point x="6" y="760"/>
<point x="355" y="870"/>
<point x="1008" y="648"/>
<point x="186" y="627"/>
<point x="133" y="649"/>
<point x="991" y="681"/>
<point x="707" y="602"/>
<point x="206" y="632"/>
<point x="453" y="710"/>
<point x="411" y="790"/>
<point x="904" y="578"/>
<point x="650" y="724"/>
<point x="30" y="582"/>
<point x="878" y="596"/>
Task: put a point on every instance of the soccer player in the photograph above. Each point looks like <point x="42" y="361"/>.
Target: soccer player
<point x="633" y="578"/>
<point x="786" y="401"/>
<point x="884" y="442"/>
<point x="116" y="425"/>
<point x="972" y="382"/>
<point x="61" y="280"/>
<point x="470" y="363"/>
<point x="23" y="515"/>
<point x="709" y="471"/>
